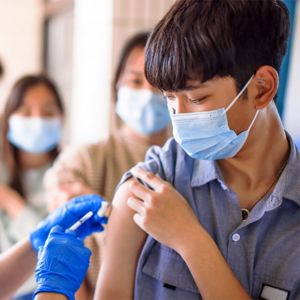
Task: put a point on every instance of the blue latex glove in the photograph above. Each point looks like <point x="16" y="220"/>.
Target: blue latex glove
<point x="67" y="215"/>
<point x="62" y="263"/>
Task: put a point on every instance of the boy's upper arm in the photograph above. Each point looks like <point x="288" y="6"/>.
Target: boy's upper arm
<point x="122" y="247"/>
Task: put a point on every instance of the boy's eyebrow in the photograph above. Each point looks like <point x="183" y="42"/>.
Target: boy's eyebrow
<point x="190" y="87"/>
<point x="196" y="86"/>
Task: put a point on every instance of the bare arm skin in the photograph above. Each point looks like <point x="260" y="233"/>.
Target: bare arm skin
<point x="84" y="292"/>
<point x="122" y="248"/>
<point x="16" y="265"/>
<point x="50" y="296"/>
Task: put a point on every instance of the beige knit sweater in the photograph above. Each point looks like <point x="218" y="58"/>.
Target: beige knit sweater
<point x="100" y="167"/>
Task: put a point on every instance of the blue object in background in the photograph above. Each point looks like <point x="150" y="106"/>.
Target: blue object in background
<point x="298" y="143"/>
<point x="284" y="70"/>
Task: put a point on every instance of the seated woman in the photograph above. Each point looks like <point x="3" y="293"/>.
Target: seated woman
<point x="32" y="128"/>
<point x="98" y="167"/>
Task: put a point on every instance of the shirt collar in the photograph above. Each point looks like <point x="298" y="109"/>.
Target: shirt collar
<point x="287" y="187"/>
<point x="205" y="171"/>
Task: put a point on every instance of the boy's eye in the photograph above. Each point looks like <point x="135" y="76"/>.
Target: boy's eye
<point x="169" y="98"/>
<point x="198" y="100"/>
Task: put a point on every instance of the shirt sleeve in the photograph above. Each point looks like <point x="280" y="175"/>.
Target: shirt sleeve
<point x="158" y="160"/>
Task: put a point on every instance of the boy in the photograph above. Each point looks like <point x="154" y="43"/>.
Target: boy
<point x="221" y="219"/>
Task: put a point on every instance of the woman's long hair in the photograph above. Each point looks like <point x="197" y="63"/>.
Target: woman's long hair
<point x="139" y="40"/>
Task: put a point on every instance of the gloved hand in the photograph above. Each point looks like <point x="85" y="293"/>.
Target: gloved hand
<point x="67" y="215"/>
<point x="62" y="263"/>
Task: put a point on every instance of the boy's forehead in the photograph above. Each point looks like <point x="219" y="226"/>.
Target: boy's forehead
<point x="197" y="84"/>
<point x="191" y="85"/>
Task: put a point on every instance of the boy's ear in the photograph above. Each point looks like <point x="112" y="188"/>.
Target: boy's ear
<point x="264" y="86"/>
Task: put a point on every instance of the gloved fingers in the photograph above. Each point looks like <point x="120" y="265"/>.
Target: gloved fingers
<point x="104" y="220"/>
<point x="59" y="235"/>
<point x="96" y="219"/>
<point x="40" y="251"/>
<point x="65" y="216"/>
<point x="59" y="231"/>
<point x="83" y="204"/>
<point x="56" y="229"/>
<point x="88" y="253"/>
<point x="95" y="224"/>
<point x="71" y="232"/>
<point x="62" y="263"/>
<point x="72" y="211"/>
<point x="82" y="232"/>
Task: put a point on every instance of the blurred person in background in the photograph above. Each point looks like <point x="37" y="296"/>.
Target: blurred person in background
<point x="1" y="82"/>
<point x="97" y="168"/>
<point x="1" y="73"/>
<point x="31" y="132"/>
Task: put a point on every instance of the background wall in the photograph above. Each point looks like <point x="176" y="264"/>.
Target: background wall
<point x="20" y="39"/>
<point x="292" y="101"/>
<point x="101" y="29"/>
<point x="131" y="16"/>
<point x="58" y="58"/>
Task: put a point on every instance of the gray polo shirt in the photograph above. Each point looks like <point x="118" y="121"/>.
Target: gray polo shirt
<point x="263" y="251"/>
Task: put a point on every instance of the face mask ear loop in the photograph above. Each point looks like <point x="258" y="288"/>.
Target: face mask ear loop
<point x="171" y="110"/>
<point x="239" y="94"/>
<point x="256" y="114"/>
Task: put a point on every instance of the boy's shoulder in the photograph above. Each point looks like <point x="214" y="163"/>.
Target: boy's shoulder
<point x="171" y="150"/>
<point x="170" y="161"/>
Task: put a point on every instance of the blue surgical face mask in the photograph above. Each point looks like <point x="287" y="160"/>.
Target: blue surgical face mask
<point x="206" y="135"/>
<point x="34" y="134"/>
<point x="142" y="110"/>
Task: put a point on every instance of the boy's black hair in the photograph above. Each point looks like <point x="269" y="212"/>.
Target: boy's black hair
<point x="201" y="39"/>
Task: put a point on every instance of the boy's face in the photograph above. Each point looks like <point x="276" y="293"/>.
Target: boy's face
<point x="214" y="94"/>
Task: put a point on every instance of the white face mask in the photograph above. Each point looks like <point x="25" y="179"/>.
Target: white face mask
<point x="142" y="110"/>
<point x="206" y="135"/>
<point x="34" y="134"/>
